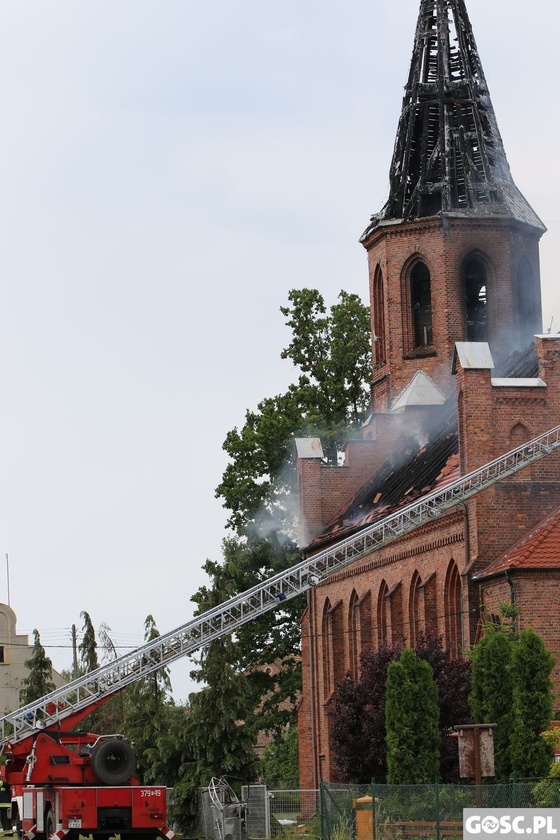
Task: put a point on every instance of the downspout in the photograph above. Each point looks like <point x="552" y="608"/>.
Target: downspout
<point x="311" y="607"/>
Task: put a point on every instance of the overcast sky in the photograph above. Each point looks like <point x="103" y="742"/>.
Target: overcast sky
<point x="169" y="170"/>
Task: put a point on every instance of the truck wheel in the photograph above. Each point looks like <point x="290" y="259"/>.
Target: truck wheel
<point x="49" y="823"/>
<point x="113" y="761"/>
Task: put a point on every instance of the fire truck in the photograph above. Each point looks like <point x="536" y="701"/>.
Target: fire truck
<point x="65" y="782"/>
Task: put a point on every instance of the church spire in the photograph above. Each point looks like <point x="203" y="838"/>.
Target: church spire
<point x="449" y="156"/>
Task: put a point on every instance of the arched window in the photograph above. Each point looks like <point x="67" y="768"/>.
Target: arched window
<point x="326" y="638"/>
<point x="453" y="610"/>
<point x="382" y="615"/>
<point x="354" y="636"/>
<point x="475" y="279"/>
<point x="414" y="610"/>
<point x="378" y="311"/>
<point x="421" y="300"/>
<point x="365" y="619"/>
<point x="429" y="585"/>
<point x="338" y="644"/>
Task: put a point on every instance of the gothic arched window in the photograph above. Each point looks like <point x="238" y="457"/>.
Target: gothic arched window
<point x="414" y="610"/>
<point x="326" y="647"/>
<point x="421" y="300"/>
<point x="475" y="280"/>
<point x="453" y="610"/>
<point x="378" y="310"/>
<point x="354" y="636"/>
<point x="382" y="617"/>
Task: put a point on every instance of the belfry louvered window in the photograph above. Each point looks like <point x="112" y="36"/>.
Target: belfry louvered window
<point x="421" y="298"/>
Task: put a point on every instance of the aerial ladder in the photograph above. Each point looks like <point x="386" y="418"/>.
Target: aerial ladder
<point x="67" y="782"/>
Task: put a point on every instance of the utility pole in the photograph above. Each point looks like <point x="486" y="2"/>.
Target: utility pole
<point x="74" y="653"/>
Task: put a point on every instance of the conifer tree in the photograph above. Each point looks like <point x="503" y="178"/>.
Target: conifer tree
<point x="39" y="678"/>
<point x="88" y="646"/>
<point x="147" y="706"/>
<point x="491" y="697"/>
<point x="412" y="721"/>
<point x="531" y="666"/>
<point x="222" y="739"/>
<point x="222" y="719"/>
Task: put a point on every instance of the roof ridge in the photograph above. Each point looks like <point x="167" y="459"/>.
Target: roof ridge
<point x="527" y="546"/>
<point x="537" y="535"/>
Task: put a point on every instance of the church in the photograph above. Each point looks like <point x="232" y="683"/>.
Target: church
<point x="461" y="375"/>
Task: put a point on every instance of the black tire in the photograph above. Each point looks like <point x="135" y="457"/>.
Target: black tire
<point x="113" y="761"/>
<point x="49" y="823"/>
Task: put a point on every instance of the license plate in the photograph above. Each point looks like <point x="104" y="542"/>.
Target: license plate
<point x="75" y="822"/>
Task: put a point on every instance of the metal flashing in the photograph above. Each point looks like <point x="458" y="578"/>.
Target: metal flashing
<point x="518" y="383"/>
<point x="309" y="448"/>
<point x="421" y="391"/>
<point x="473" y="355"/>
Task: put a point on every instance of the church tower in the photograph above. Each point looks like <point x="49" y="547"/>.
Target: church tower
<point x="453" y="255"/>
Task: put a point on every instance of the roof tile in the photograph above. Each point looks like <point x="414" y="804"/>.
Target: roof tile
<point x="538" y="549"/>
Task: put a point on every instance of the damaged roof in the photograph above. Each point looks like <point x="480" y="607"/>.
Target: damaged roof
<point x="522" y="364"/>
<point x="449" y="157"/>
<point x="420" y="465"/>
<point x="538" y="549"/>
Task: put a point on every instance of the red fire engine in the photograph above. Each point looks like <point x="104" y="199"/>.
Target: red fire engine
<point x="66" y="782"/>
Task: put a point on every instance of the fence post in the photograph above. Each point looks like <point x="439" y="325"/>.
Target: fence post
<point x="373" y="811"/>
<point x="515" y="791"/>
<point x="436" y="789"/>
<point x="323" y="810"/>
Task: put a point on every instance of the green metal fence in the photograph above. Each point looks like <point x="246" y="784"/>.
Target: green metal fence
<point x="396" y="812"/>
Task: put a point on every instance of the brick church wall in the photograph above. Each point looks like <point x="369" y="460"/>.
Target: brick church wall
<point x="424" y="556"/>
<point x="494" y="418"/>
<point x="410" y="580"/>
<point x="443" y="245"/>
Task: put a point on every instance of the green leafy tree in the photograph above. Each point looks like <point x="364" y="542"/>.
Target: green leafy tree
<point x="491" y="698"/>
<point x="412" y="721"/>
<point x="332" y="350"/>
<point x="531" y="666"/>
<point x="38" y="681"/>
<point x="88" y="646"/>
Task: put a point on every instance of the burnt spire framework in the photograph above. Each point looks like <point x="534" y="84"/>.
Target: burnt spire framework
<point x="449" y="156"/>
